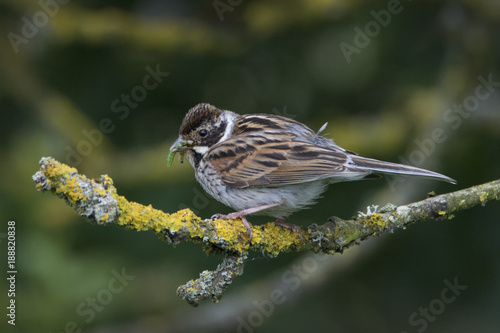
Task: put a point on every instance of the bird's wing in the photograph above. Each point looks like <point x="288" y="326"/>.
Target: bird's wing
<point x="271" y="161"/>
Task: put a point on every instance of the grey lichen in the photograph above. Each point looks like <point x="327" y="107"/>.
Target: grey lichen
<point x="93" y="199"/>
<point x="212" y="284"/>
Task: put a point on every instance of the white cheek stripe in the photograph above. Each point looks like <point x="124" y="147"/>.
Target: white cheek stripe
<point x="230" y="119"/>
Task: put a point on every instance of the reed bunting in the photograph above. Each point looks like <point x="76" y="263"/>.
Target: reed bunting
<point x="269" y="165"/>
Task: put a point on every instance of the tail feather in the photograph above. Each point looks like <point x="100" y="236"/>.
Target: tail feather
<point x="396" y="168"/>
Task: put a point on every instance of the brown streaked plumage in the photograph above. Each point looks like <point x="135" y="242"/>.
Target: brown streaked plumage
<point x="268" y="164"/>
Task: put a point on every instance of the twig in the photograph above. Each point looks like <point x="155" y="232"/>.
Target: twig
<point x="98" y="201"/>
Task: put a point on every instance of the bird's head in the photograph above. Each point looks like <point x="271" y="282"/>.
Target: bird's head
<point x="203" y="126"/>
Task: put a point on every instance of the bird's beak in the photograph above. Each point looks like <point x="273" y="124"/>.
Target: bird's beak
<point x="179" y="145"/>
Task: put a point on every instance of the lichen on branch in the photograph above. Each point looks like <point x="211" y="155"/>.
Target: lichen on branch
<point x="98" y="201"/>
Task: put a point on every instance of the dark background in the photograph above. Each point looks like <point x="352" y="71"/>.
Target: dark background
<point x="384" y="100"/>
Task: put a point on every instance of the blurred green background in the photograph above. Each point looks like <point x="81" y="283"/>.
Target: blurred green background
<point x="384" y="74"/>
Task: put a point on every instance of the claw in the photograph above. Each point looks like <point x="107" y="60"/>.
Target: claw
<point x="236" y="215"/>
<point x="293" y="227"/>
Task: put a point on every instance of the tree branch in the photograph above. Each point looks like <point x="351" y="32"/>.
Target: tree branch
<point x="98" y="201"/>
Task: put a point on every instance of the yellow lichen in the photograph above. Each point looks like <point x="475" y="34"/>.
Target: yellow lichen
<point x="139" y="217"/>
<point x="234" y="233"/>
<point x="376" y="219"/>
<point x="196" y="232"/>
<point x="100" y="191"/>
<point x="178" y="219"/>
<point x="278" y="239"/>
<point x="71" y="189"/>
<point x="107" y="180"/>
<point x="483" y="197"/>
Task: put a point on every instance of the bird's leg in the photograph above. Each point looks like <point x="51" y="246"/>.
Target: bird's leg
<point x="281" y="222"/>
<point x="241" y="215"/>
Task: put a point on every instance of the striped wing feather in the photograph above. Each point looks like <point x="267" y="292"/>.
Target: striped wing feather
<point x="276" y="163"/>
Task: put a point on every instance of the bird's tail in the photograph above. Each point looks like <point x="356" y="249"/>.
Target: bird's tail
<point x="395" y="168"/>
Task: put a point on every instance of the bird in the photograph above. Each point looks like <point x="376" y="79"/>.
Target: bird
<point x="263" y="164"/>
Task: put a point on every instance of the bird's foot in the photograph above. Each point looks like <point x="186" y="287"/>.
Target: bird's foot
<point x="236" y="215"/>
<point x="242" y="213"/>
<point x="295" y="228"/>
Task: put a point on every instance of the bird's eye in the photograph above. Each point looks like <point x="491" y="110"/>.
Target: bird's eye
<point x="203" y="133"/>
